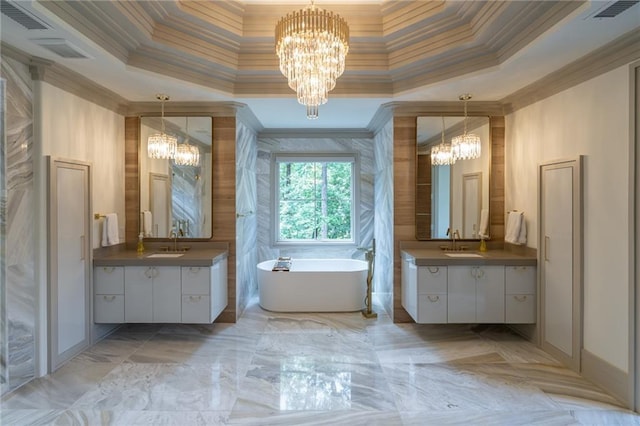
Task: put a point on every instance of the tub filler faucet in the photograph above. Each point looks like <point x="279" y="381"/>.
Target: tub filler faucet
<point x="369" y="255"/>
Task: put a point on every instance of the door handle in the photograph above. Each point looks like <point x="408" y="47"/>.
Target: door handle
<point x="547" y="241"/>
<point x="82" y="248"/>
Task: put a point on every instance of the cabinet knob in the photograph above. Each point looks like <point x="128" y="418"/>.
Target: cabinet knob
<point x="520" y="298"/>
<point x="108" y="269"/>
<point x="109" y="298"/>
<point x="195" y="298"/>
<point x="433" y="298"/>
<point x="433" y="270"/>
<point x="194" y="269"/>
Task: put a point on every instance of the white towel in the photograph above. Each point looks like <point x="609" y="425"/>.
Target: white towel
<point x="110" y="230"/>
<point x="514" y="228"/>
<point x="522" y="235"/>
<point x="484" y="224"/>
<point x="147" y="223"/>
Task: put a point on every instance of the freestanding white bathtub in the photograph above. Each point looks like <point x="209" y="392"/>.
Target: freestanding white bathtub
<point x="313" y="285"/>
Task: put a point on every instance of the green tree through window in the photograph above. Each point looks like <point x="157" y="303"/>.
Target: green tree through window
<point x="315" y="200"/>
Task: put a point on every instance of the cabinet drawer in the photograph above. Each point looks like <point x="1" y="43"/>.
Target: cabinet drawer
<point x="520" y="309"/>
<point x="432" y="308"/>
<point x="432" y="279"/>
<point x="108" y="280"/>
<point x="520" y="279"/>
<point x="108" y="308"/>
<point x="196" y="280"/>
<point x="196" y="309"/>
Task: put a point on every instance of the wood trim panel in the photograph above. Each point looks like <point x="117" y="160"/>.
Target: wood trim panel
<point x="131" y="178"/>
<point x="223" y="200"/>
<point x="496" y="180"/>
<point x="404" y="219"/>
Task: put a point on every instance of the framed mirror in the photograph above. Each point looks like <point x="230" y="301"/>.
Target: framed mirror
<point x="451" y="197"/>
<point x="176" y="198"/>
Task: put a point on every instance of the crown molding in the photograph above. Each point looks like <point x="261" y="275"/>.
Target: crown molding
<point x="621" y="51"/>
<point x="383" y="115"/>
<point x="315" y="134"/>
<point x="417" y="108"/>
<point x="177" y="109"/>
<point x="246" y="117"/>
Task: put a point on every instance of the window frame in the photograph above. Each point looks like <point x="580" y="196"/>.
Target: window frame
<point x="315" y="157"/>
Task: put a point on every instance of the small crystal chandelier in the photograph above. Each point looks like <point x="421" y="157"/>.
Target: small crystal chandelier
<point x="312" y="44"/>
<point x="187" y="154"/>
<point x="160" y="145"/>
<point x="441" y="154"/>
<point x="467" y="146"/>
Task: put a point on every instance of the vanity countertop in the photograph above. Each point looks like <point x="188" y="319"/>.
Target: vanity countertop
<point x="193" y="257"/>
<point x="437" y="257"/>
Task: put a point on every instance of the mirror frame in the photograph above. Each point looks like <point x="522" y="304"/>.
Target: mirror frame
<point x="424" y="179"/>
<point x="496" y="168"/>
<point x="132" y="164"/>
<point x="140" y="178"/>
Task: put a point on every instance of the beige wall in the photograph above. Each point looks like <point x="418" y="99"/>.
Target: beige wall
<point x="76" y="129"/>
<point x="590" y="119"/>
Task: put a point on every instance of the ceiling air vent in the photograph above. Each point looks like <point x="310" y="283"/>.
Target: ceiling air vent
<point x="22" y="16"/>
<point x="616" y="9"/>
<point x="61" y="47"/>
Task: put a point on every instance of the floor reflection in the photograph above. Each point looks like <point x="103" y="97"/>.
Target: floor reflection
<point x="305" y="385"/>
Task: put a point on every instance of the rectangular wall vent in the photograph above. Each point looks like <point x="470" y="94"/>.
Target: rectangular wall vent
<point x="22" y="16"/>
<point x="616" y="9"/>
<point x="61" y="47"/>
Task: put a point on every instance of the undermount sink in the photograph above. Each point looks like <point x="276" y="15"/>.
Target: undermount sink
<point x="462" y="254"/>
<point x="166" y="255"/>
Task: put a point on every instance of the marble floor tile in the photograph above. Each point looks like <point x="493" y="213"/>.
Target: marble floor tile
<point x="301" y="383"/>
<point x="312" y="369"/>
<point x="316" y="418"/>
<point x="442" y="387"/>
<point x="194" y="349"/>
<point x="60" y="389"/>
<point x="164" y="387"/>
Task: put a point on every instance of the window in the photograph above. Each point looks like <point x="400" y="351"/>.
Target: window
<point x="315" y="198"/>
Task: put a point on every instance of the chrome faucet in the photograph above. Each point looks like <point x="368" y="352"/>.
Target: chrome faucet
<point x="174" y="235"/>
<point x="454" y="235"/>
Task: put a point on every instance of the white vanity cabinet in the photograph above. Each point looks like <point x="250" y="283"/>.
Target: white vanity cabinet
<point x="204" y="293"/>
<point x="458" y="293"/>
<point x="152" y="294"/>
<point x="160" y="294"/>
<point x="108" y="294"/>
<point x="476" y="294"/>
<point x="432" y="294"/>
<point x="520" y="294"/>
<point x="409" y="291"/>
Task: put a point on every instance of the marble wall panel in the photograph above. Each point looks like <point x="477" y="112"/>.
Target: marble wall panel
<point x="18" y="241"/>
<point x="383" y="225"/>
<point x="246" y="222"/>
<point x="267" y="146"/>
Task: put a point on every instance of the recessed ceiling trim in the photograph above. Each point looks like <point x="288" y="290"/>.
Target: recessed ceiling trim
<point x="22" y="16"/>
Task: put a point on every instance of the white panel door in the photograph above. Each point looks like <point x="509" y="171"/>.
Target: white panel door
<point x="160" y="204"/>
<point x="69" y="242"/>
<point x="559" y="260"/>
<point x="471" y="204"/>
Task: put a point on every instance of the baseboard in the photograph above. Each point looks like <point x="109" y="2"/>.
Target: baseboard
<point x="607" y="376"/>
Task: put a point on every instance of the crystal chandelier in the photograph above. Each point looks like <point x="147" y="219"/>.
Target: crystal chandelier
<point x="160" y="145"/>
<point x="312" y="44"/>
<point x="467" y="146"/>
<point x="441" y="154"/>
<point x="187" y="154"/>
